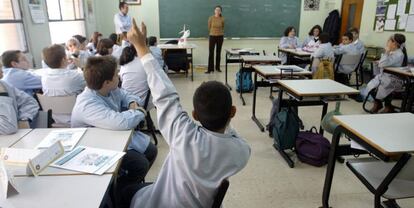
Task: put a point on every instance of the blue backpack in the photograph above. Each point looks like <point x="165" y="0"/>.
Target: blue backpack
<point x="247" y="85"/>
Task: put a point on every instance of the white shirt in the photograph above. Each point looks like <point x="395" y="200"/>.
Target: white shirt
<point x="22" y="79"/>
<point x="134" y="78"/>
<point x="14" y="107"/>
<point x="157" y="53"/>
<point x="117" y="50"/>
<point x="62" y="82"/>
<point x="198" y="159"/>
<point x="123" y="23"/>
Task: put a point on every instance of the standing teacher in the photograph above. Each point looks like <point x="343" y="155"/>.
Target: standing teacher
<point x="216" y="32"/>
<point x="122" y="21"/>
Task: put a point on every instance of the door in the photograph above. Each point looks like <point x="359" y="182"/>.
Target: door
<point x="351" y="14"/>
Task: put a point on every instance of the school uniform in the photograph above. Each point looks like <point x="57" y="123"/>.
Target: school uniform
<point x="286" y="42"/>
<point x="359" y="45"/>
<point x="117" y="50"/>
<point x="387" y="83"/>
<point x="349" y="49"/>
<point x="311" y="41"/>
<point x="324" y="51"/>
<point x="94" y="110"/>
<point x="22" y="79"/>
<point x="198" y="159"/>
<point x="157" y="53"/>
<point x="15" y="106"/>
<point x="134" y="79"/>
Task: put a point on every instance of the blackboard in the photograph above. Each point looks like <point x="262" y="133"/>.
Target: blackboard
<point x="243" y="18"/>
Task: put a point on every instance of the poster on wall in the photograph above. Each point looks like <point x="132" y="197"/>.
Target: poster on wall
<point x="36" y="11"/>
<point x="311" y="5"/>
<point x="379" y="24"/>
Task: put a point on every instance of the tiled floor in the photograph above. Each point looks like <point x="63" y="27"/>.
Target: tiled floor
<point x="267" y="181"/>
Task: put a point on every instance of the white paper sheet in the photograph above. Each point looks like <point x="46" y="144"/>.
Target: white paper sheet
<point x="392" y="8"/>
<point x="36" y="11"/>
<point x="402" y="4"/>
<point x="88" y="160"/>
<point x="68" y="137"/>
<point x="402" y="21"/>
<point x="390" y="24"/>
<point x="410" y="24"/>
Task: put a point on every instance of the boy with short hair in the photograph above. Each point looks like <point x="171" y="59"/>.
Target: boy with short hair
<point x="17" y="108"/>
<point x="16" y="74"/>
<point x="200" y="157"/>
<point x="345" y="48"/>
<point x="357" y="42"/>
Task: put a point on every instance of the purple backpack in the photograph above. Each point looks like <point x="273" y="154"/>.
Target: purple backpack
<point x="312" y="148"/>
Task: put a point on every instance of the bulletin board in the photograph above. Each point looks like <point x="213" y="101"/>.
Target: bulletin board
<point x="394" y="15"/>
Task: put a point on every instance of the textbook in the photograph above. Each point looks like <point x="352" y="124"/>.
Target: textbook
<point x="88" y="160"/>
<point x="68" y="137"/>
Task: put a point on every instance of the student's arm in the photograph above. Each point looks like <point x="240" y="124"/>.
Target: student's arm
<point x="297" y="43"/>
<point x="339" y="50"/>
<point x="172" y="119"/>
<point x="32" y="81"/>
<point x="391" y="59"/>
<point x="284" y="43"/>
<point x="8" y="114"/>
<point x="306" y="41"/>
<point x="128" y="98"/>
<point x="27" y="106"/>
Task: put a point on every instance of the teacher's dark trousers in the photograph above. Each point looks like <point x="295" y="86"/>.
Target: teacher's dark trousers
<point x="214" y="42"/>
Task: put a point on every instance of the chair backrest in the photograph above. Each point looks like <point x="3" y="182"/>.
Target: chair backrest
<point x="59" y="104"/>
<point x="42" y="120"/>
<point x="218" y="199"/>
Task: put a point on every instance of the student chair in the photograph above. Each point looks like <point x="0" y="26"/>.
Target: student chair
<point x="218" y="199"/>
<point x="351" y="60"/>
<point x="150" y="124"/>
<point x="42" y="120"/>
<point x="62" y="105"/>
<point x="390" y="180"/>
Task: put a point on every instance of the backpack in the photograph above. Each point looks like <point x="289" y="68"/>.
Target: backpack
<point x="324" y="70"/>
<point x="284" y="127"/>
<point x="312" y="148"/>
<point x="247" y="85"/>
<point x="328" y="124"/>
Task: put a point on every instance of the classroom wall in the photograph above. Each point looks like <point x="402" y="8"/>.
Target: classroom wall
<point x="149" y="13"/>
<point x="369" y="36"/>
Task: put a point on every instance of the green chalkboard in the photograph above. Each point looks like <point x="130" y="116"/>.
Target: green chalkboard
<point x="243" y="18"/>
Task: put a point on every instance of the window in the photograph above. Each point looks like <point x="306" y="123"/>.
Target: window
<point x="66" y="18"/>
<point x="11" y="27"/>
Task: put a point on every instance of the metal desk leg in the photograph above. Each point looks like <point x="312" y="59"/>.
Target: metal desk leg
<point x="192" y="66"/>
<point x="331" y="167"/>
<point x="225" y="73"/>
<point x="254" y="118"/>
<point x="324" y="111"/>
<point x="241" y="83"/>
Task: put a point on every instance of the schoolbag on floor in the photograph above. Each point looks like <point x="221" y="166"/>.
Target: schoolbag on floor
<point x="312" y="148"/>
<point x="285" y="127"/>
<point x="247" y="85"/>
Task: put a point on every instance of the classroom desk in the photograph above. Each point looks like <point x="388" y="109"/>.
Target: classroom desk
<point x="300" y="91"/>
<point x="252" y="60"/>
<point x="407" y="76"/>
<point x="384" y="135"/>
<point x="272" y="74"/>
<point x="189" y="55"/>
<point x="9" y="140"/>
<point x="291" y="53"/>
<point x="93" y="137"/>
<point x="58" y="191"/>
<point x="233" y="56"/>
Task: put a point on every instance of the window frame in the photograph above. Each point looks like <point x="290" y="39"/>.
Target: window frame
<point x="61" y="16"/>
<point x="18" y="21"/>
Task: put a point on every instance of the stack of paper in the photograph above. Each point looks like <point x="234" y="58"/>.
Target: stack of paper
<point x="68" y="137"/>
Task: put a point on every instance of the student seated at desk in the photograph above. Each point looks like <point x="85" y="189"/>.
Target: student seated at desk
<point x="75" y="52"/>
<point x="16" y="74"/>
<point x="102" y="104"/>
<point x="132" y="74"/>
<point x="324" y="51"/>
<point x="395" y="56"/>
<point x="345" y="48"/>
<point x="156" y="52"/>
<point x="200" y="156"/>
<point x="104" y="47"/>
<point x="17" y="108"/>
<point x="93" y="42"/>
<point x="116" y="49"/>
<point x="289" y="40"/>
<point x="312" y="40"/>
<point x="357" y="42"/>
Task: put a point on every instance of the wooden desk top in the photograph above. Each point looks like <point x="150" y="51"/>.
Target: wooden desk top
<point x="297" y="52"/>
<point x="405" y="71"/>
<point x="9" y="140"/>
<point x="260" y="58"/>
<point x="316" y="88"/>
<point x="388" y="133"/>
<point x="272" y="71"/>
<point x="58" y="191"/>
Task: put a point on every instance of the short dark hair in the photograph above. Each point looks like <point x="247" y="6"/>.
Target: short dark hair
<point x="315" y="27"/>
<point x="9" y="56"/>
<point x="324" y="37"/>
<point x="103" y="46"/>
<point x="152" y="40"/>
<point x="122" y="4"/>
<point x="349" y="35"/>
<point x="53" y="55"/>
<point x="80" y="38"/>
<point x="113" y="37"/>
<point x="212" y="103"/>
<point x="354" y="29"/>
<point x="128" y="54"/>
<point x="98" y="70"/>
<point x="288" y="29"/>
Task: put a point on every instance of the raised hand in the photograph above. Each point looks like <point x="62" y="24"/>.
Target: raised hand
<point x="138" y="38"/>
